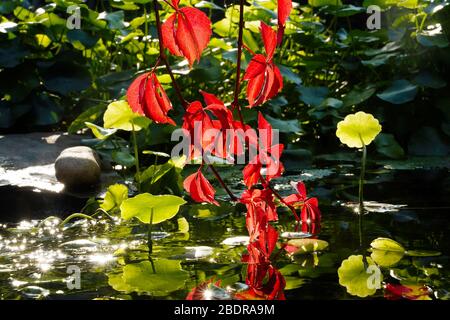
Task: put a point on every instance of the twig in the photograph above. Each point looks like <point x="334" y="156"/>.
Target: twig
<point x="232" y="196"/>
<point x="237" y="86"/>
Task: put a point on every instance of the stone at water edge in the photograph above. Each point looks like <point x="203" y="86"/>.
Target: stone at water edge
<point x="78" y="166"/>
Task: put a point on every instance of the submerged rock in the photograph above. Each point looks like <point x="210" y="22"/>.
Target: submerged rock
<point x="78" y="166"/>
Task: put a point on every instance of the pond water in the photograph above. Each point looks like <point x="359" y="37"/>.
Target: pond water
<point x="39" y="260"/>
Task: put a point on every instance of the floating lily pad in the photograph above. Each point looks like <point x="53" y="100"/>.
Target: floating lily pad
<point x="354" y="275"/>
<point x="305" y="246"/>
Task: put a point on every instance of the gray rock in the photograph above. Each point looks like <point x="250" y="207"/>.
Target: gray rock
<point x="78" y="166"/>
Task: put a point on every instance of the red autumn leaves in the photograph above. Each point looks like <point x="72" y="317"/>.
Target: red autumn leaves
<point x="147" y="97"/>
<point x="186" y="32"/>
<point x="263" y="76"/>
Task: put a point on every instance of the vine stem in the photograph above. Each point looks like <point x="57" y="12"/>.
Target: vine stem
<point x="136" y="157"/>
<point x="237" y="86"/>
<point x="279" y="197"/>
<point x="163" y="57"/>
<point x="222" y="183"/>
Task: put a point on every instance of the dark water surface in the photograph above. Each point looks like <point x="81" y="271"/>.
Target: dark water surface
<point x="412" y="207"/>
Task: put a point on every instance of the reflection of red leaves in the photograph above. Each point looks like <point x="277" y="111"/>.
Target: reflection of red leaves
<point x="410" y="292"/>
<point x="146" y="96"/>
<point x="284" y="10"/>
<point x="199" y="188"/>
<point x="186" y="32"/>
<point x="309" y="206"/>
<point x="264" y="77"/>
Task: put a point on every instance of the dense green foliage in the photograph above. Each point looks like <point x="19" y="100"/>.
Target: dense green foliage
<point x="331" y="63"/>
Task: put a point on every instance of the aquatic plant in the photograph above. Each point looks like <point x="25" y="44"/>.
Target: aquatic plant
<point x="358" y="131"/>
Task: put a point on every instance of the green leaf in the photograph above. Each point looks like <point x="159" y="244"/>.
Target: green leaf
<point x="432" y="39"/>
<point x="354" y="277"/>
<point x="156" y="153"/>
<point x="320" y="3"/>
<point x="358" y="95"/>
<point x="427" y="79"/>
<point x="378" y="60"/>
<point x="308" y="245"/>
<point x="12" y="53"/>
<point x="427" y="142"/>
<point x="287" y="73"/>
<point x="288" y="126"/>
<point x="164" y="207"/>
<point x="387" y="244"/>
<point x="119" y="115"/>
<point x="114" y="197"/>
<point x="312" y="95"/>
<point x="114" y="19"/>
<point x="100" y="132"/>
<point x="386" y="252"/>
<point x="208" y="5"/>
<point x="401" y="91"/>
<point x="158" y="278"/>
<point x="89" y="115"/>
<point x="66" y="77"/>
<point x="388" y="146"/>
<point x="123" y="158"/>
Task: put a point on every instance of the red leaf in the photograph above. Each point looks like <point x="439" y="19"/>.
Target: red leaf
<point x="146" y="96"/>
<point x="252" y="173"/>
<point x="269" y="37"/>
<point x="210" y="98"/>
<point x="264" y="77"/>
<point x="284" y="10"/>
<point x="199" y="188"/>
<point x="186" y="33"/>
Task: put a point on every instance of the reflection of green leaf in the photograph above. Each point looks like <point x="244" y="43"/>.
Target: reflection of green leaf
<point x="114" y="196"/>
<point x="157" y="278"/>
<point x="293" y="282"/>
<point x="308" y="245"/>
<point x="353" y="275"/>
<point x="164" y="207"/>
<point x="422" y="253"/>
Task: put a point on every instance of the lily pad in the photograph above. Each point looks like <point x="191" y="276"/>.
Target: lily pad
<point x="164" y="207"/>
<point x="354" y="276"/>
<point x="305" y="246"/>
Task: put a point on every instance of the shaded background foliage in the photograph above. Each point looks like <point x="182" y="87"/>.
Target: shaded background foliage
<point x="55" y="78"/>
